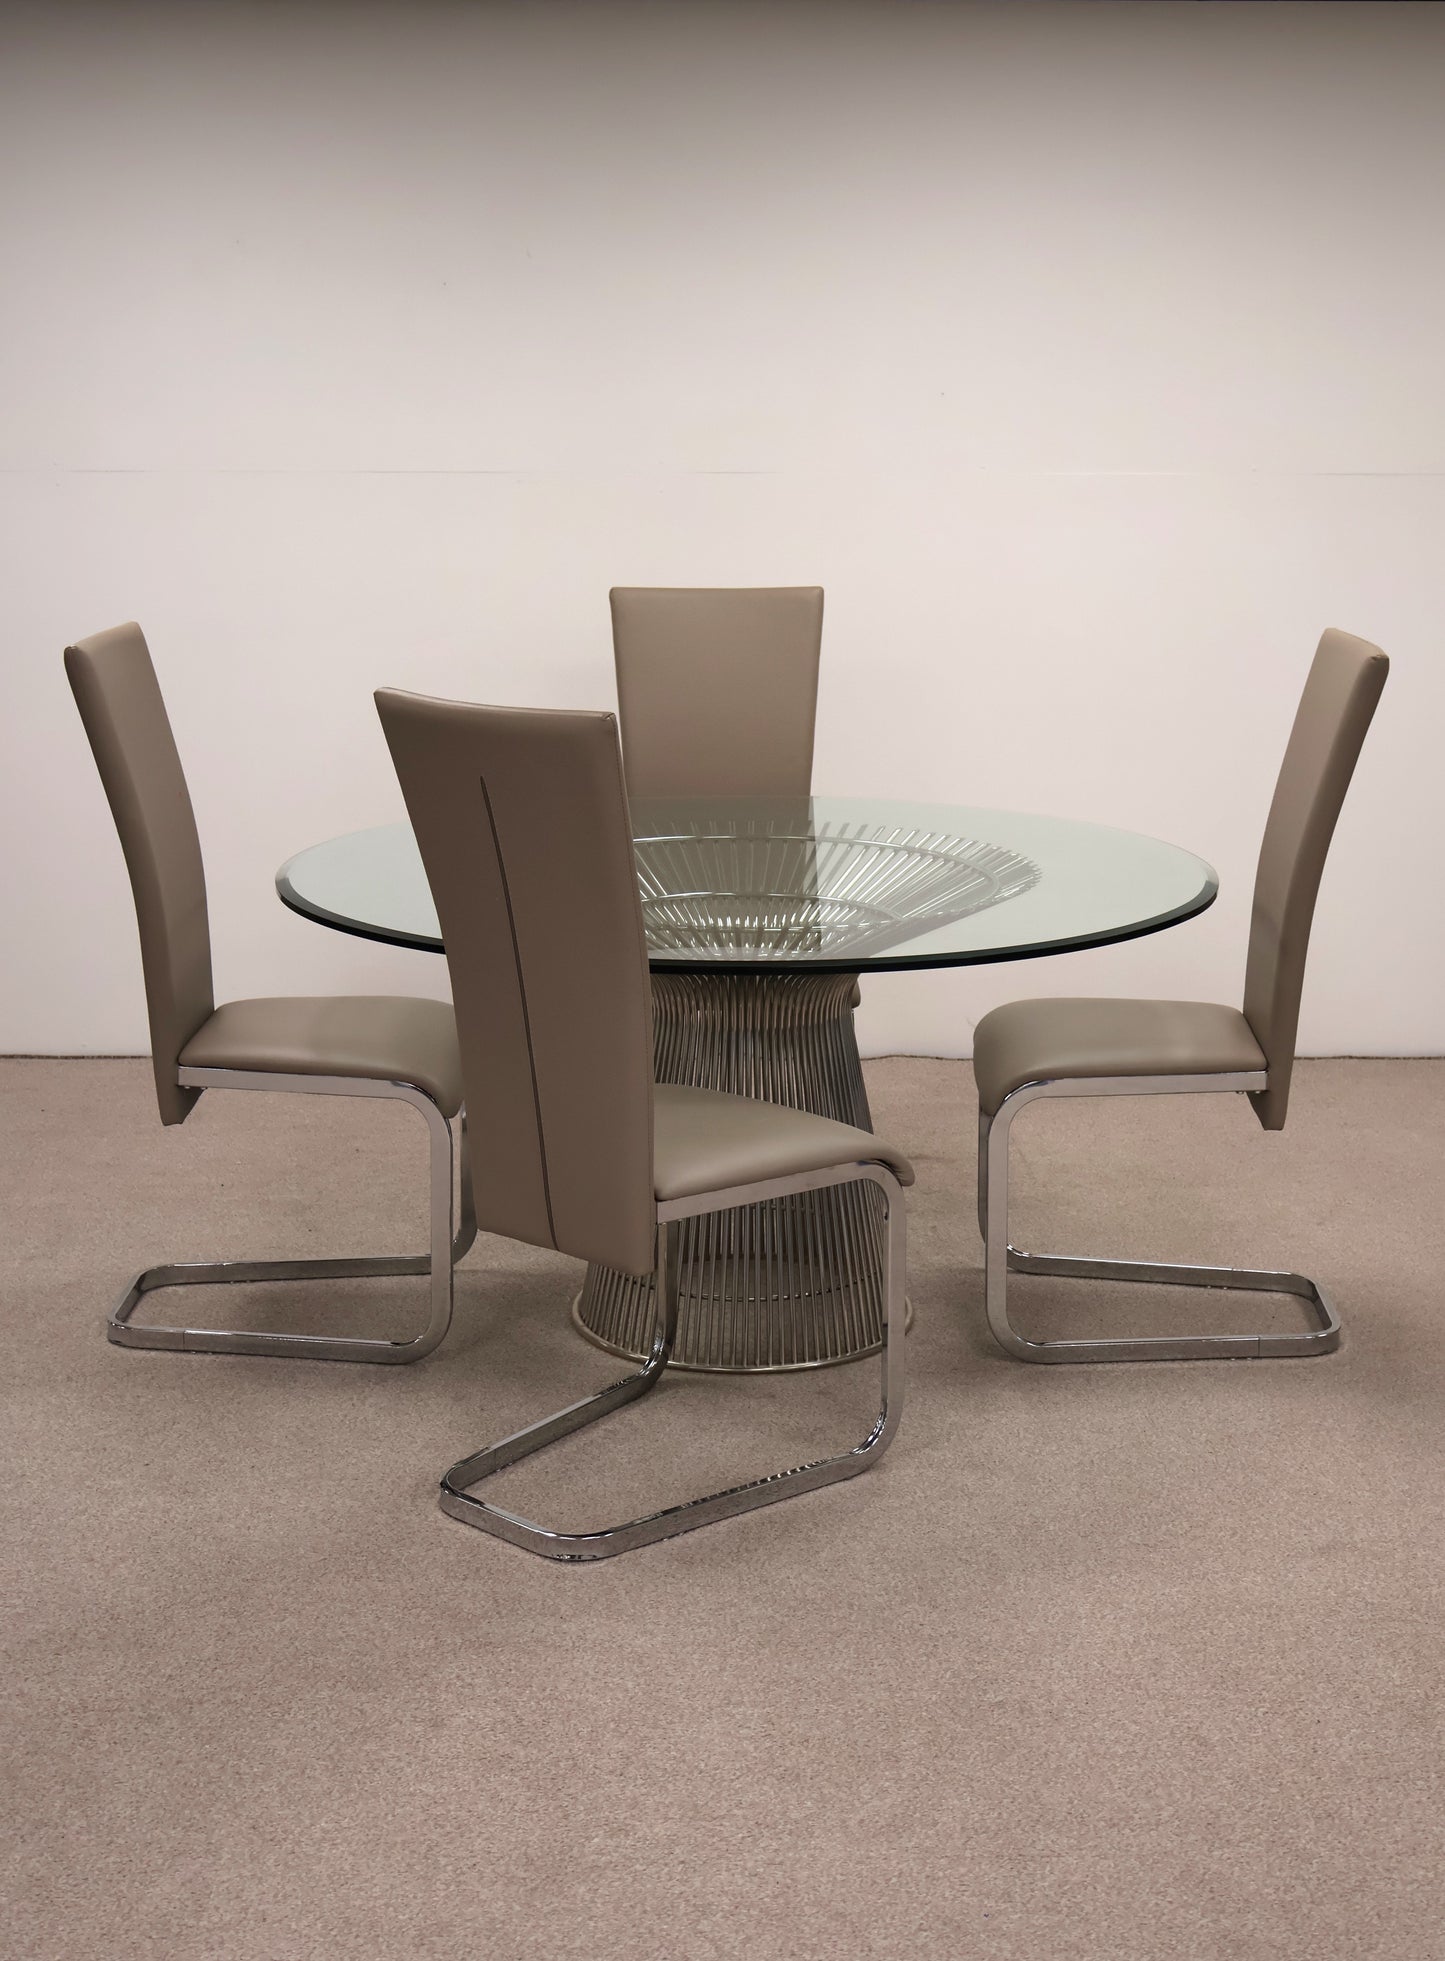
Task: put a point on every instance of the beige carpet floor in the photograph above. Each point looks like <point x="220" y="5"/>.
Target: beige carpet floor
<point x="1110" y="1662"/>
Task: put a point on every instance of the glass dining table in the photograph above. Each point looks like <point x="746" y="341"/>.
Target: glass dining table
<point x="761" y="916"/>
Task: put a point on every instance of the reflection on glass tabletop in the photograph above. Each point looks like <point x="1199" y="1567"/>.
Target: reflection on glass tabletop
<point x="842" y="884"/>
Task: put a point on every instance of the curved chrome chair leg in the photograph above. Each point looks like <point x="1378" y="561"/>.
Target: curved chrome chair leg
<point x="1001" y="1258"/>
<point x="456" y="1495"/>
<point x="445" y="1251"/>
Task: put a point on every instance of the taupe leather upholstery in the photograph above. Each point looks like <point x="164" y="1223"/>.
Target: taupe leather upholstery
<point x="120" y="703"/>
<point x="1335" y="711"/>
<point x="717" y="688"/>
<point x="1032" y="1041"/>
<point x="522" y="822"/>
<point x="383" y="1038"/>
<point x="1053" y="1041"/>
<point x="705" y="1141"/>
<point x="373" y="1038"/>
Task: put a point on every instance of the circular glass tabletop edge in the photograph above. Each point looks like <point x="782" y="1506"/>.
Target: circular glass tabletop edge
<point x="840" y="963"/>
<point x="320" y="915"/>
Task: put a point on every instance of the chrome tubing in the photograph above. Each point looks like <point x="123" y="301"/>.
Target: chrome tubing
<point x="458" y="1501"/>
<point x="1002" y="1258"/>
<point x="445" y="1251"/>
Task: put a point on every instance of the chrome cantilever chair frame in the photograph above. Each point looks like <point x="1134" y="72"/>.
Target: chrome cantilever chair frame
<point x="445" y="1252"/>
<point x="456" y="1498"/>
<point x="1001" y="1258"/>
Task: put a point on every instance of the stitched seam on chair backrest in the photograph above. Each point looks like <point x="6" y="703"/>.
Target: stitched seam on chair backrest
<point x="526" y="1016"/>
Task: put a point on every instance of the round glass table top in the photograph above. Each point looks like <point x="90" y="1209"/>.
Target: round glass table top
<point x="840" y="884"/>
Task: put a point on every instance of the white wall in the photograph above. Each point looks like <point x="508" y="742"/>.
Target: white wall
<point x="1089" y="355"/>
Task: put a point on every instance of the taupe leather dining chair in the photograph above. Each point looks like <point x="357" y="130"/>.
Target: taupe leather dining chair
<point x="1033" y="1049"/>
<point x="522" y="822"/>
<point x="717" y="688"/>
<point x="330" y="1045"/>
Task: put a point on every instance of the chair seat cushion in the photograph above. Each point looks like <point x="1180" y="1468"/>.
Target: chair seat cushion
<point x="1051" y="1041"/>
<point x="705" y="1141"/>
<point x="375" y="1037"/>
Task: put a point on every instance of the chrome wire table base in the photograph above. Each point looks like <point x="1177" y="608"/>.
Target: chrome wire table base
<point x="793" y="1283"/>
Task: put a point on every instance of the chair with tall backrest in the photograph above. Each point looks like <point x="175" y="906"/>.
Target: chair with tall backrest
<point x="522" y="822"/>
<point x="717" y="688"/>
<point x="1034" y="1049"/>
<point x="342" y="1045"/>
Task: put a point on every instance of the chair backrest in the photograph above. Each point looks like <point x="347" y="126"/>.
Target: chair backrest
<point x="717" y="688"/>
<point x="1334" y="713"/>
<point x="522" y="822"/>
<point x="120" y="703"/>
